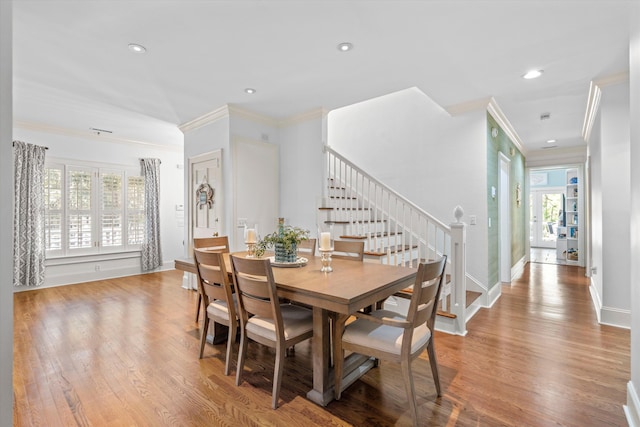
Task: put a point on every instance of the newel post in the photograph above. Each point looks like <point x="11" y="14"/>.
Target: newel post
<point x="459" y="271"/>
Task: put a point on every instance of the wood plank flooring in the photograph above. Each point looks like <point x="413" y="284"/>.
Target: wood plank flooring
<point x="124" y="352"/>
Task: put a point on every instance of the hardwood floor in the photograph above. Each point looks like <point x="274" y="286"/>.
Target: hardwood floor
<point x="125" y="352"/>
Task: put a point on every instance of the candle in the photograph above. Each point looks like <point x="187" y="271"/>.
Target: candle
<point x="325" y="241"/>
<point x="250" y="236"/>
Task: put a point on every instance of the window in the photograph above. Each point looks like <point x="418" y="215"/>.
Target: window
<point x="92" y="210"/>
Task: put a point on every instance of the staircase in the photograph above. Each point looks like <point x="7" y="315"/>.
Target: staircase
<point x="396" y="232"/>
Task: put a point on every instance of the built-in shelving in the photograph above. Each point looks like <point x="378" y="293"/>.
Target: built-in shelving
<point x="569" y="241"/>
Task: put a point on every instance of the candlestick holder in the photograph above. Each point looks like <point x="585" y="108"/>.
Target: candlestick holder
<point x="326" y="260"/>
<point x="251" y="249"/>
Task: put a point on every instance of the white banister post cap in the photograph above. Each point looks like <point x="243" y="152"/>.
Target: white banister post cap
<point x="458" y="212"/>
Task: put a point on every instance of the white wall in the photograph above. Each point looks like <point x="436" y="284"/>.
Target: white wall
<point x="212" y="136"/>
<point x="595" y="154"/>
<point x="634" y="386"/>
<point x="302" y="171"/>
<point x="6" y="218"/>
<point x="609" y="151"/>
<point x="231" y="127"/>
<point x="89" y="149"/>
<point x="415" y="135"/>
<point x="615" y="204"/>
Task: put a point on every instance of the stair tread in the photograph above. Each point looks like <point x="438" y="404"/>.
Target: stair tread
<point x="362" y="237"/>
<point x="391" y="249"/>
<point x="331" y="208"/>
<point x="360" y="221"/>
<point x="471" y="297"/>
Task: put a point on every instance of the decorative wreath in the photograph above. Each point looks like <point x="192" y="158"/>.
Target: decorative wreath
<point x="204" y="196"/>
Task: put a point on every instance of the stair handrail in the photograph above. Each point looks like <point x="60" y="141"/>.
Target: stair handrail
<point x="455" y="232"/>
<point x="329" y="149"/>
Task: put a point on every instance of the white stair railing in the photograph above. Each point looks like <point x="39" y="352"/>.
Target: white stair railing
<point x="395" y="230"/>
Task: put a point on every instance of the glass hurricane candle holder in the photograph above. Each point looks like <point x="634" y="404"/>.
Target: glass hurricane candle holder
<point x="325" y="245"/>
<point x="325" y="255"/>
<point x="250" y="239"/>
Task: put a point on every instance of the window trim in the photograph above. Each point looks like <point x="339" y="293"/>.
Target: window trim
<point x="97" y="170"/>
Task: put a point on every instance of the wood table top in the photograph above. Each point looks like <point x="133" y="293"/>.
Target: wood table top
<point x="350" y="286"/>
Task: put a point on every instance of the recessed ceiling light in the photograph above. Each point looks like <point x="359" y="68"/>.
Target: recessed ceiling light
<point x="550" y="141"/>
<point x="137" y="48"/>
<point x="250" y="90"/>
<point x="345" y="47"/>
<point x="533" y="74"/>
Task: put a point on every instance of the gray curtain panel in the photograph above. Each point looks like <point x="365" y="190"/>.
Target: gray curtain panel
<point x="28" y="215"/>
<point x="151" y="250"/>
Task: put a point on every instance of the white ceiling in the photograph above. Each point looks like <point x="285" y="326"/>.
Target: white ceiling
<point x="72" y="67"/>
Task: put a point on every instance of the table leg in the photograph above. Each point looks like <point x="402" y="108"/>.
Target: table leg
<point x="217" y="333"/>
<point x="322" y="392"/>
<point x="355" y="365"/>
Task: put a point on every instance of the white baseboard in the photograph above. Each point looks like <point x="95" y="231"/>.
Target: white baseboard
<point x="70" y="274"/>
<point x="615" y="317"/>
<point x="595" y="298"/>
<point x="611" y="316"/>
<point x="518" y="268"/>
<point x="494" y="294"/>
<point x="632" y="408"/>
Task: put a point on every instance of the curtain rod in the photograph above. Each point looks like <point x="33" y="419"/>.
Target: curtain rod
<point x="14" y="144"/>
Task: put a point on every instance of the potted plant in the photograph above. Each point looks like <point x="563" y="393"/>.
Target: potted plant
<point x="284" y="242"/>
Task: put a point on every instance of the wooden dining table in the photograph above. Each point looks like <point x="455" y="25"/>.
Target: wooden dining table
<point x="351" y="285"/>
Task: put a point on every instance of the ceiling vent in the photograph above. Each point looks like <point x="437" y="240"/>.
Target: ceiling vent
<point x="545" y="116"/>
<point x="547" y="147"/>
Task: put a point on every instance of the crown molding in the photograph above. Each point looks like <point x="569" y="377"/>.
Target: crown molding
<point x="613" y="79"/>
<point x="317" y="113"/>
<point x="229" y="110"/>
<point x="593" y="103"/>
<point x="252" y="116"/>
<point x="210" y="117"/>
<point x="40" y="127"/>
<point x="557" y="157"/>
<point x="496" y="112"/>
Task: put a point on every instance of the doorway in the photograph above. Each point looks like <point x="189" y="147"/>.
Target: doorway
<point x="545" y="209"/>
<point x="205" y="189"/>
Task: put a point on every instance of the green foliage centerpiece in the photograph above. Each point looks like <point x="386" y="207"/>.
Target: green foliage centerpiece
<point x="284" y="242"/>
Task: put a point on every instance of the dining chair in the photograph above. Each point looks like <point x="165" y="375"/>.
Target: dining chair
<point x="219" y="244"/>
<point x="215" y="288"/>
<point x="307" y="247"/>
<point x="263" y="319"/>
<point x="396" y="337"/>
<point x="349" y="250"/>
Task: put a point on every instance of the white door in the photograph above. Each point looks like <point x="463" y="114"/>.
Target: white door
<point x="545" y="207"/>
<point x="205" y="195"/>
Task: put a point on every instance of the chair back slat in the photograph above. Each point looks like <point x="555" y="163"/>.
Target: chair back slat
<point x="219" y="243"/>
<point x="426" y="292"/>
<point x="307" y="247"/>
<point x="255" y="286"/>
<point x="345" y="249"/>
<point x="212" y="274"/>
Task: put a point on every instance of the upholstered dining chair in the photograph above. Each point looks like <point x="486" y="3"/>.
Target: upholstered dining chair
<point x="397" y="337"/>
<point x="218" y="244"/>
<point x="349" y="250"/>
<point x="307" y="247"/>
<point x="263" y="319"/>
<point x="215" y="288"/>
